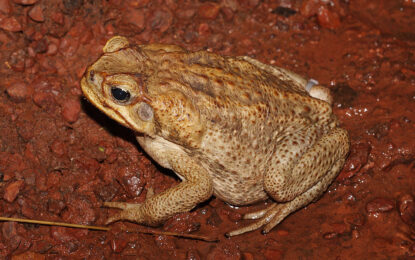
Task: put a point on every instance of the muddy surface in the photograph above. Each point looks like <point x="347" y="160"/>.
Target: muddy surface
<point x="60" y="158"/>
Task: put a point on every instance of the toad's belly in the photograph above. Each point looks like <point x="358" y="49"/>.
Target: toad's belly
<point x="237" y="191"/>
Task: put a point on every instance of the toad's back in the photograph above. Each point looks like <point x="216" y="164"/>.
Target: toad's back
<point x="246" y="111"/>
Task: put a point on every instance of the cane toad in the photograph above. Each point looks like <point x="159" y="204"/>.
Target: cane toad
<point x="231" y="127"/>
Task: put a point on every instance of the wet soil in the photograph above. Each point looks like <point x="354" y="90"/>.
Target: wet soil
<point x="60" y="158"/>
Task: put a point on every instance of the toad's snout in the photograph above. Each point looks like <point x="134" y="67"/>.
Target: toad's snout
<point x="94" y="78"/>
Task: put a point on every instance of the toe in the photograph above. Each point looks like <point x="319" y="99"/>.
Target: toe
<point x="260" y="213"/>
<point x="254" y="226"/>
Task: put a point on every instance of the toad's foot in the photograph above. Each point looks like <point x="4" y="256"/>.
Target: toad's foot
<point x="267" y="218"/>
<point x="130" y="211"/>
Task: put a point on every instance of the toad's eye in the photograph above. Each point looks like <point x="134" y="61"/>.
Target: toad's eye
<point x="120" y="94"/>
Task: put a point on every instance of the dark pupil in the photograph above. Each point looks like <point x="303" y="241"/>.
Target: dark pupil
<point x="120" y="94"/>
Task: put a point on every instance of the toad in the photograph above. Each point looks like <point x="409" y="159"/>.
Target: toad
<point x="231" y="127"/>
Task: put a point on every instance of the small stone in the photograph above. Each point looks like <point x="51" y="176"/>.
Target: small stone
<point x="42" y="99"/>
<point x="138" y="3"/>
<point x="330" y="235"/>
<point x="17" y="60"/>
<point x="118" y="244"/>
<point x="10" y="24"/>
<point x="161" y="20"/>
<point x="165" y="242"/>
<point x="19" y="91"/>
<point x="273" y="254"/>
<point x="70" y="110"/>
<point x="9" y="230"/>
<point x="5" y="6"/>
<point x="328" y="19"/>
<point x="409" y="3"/>
<point x="61" y="234"/>
<point x="282" y="232"/>
<point x="192" y="254"/>
<point x="225" y="250"/>
<point x="25" y="2"/>
<point x="29" y="255"/>
<point x="204" y="29"/>
<point x="310" y="7"/>
<point x="355" y="219"/>
<point x="12" y="190"/>
<point x="58" y="148"/>
<point x="36" y="13"/>
<point x="406" y="208"/>
<point x="209" y="10"/>
<point x="358" y="158"/>
<point x="214" y="219"/>
<point x="234" y="216"/>
<point x="56" y="206"/>
<point x="228" y="13"/>
<point x="185" y="13"/>
<point x="58" y="18"/>
<point x="135" y="17"/>
<point x="380" y="205"/>
<point x="248" y="256"/>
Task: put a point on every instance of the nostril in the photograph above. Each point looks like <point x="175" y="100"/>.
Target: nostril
<point x="91" y="75"/>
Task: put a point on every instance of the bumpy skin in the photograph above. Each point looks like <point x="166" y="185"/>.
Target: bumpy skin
<point x="228" y="126"/>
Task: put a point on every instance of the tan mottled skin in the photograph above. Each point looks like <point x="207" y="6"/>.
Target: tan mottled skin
<point x="227" y="126"/>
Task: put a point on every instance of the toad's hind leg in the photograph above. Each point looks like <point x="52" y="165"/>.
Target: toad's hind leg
<point x="301" y="178"/>
<point x="271" y="216"/>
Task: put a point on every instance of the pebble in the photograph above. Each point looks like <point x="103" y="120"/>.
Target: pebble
<point x="358" y="158"/>
<point x="209" y="10"/>
<point x="380" y="205"/>
<point x="204" y="29"/>
<point x="52" y="49"/>
<point x="136" y="18"/>
<point x="5" y="6"/>
<point x="19" y="91"/>
<point x="61" y="234"/>
<point x="161" y="20"/>
<point x="165" y="242"/>
<point x="185" y="13"/>
<point x="26" y="206"/>
<point x="330" y="235"/>
<point x="58" y="148"/>
<point x="192" y="255"/>
<point x="406" y="208"/>
<point x="273" y="254"/>
<point x="118" y="244"/>
<point x="355" y="219"/>
<point x="58" y="18"/>
<point x="55" y="206"/>
<point x="138" y="3"/>
<point x="71" y="109"/>
<point x="327" y="18"/>
<point x="9" y="230"/>
<point x="12" y="190"/>
<point x="225" y="250"/>
<point x="310" y="7"/>
<point x="42" y="99"/>
<point x="25" y="2"/>
<point x="36" y="13"/>
<point x="234" y="216"/>
<point x="10" y="24"/>
<point x="29" y="255"/>
<point x="248" y="256"/>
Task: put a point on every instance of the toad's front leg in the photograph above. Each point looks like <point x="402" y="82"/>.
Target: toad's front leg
<point x="196" y="187"/>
